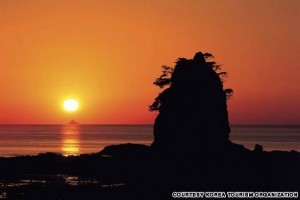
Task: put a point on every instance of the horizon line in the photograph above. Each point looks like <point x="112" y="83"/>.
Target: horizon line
<point x="234" y="124"/>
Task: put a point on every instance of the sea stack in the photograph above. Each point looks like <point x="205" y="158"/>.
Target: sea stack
<point x="192" y="110"/>
<point x="73" y="122"/>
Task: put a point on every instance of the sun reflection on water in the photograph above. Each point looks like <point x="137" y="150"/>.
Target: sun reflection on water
<point x="70" y="139"/>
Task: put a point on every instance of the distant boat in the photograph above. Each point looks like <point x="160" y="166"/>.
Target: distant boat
<point x="73" y="122"/>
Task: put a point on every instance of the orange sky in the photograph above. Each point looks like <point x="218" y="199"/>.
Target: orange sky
<point x="107" y="54"/>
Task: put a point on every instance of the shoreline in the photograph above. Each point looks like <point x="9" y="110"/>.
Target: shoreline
<point x="128" y="169"/>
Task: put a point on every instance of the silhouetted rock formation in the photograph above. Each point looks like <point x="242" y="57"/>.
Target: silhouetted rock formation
<point x="126" y="150"/>
<point x="192" y="111"/>
<point x="73" y="122"/>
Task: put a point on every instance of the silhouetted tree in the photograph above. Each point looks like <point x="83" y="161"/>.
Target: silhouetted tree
<point x="167" y="71"/>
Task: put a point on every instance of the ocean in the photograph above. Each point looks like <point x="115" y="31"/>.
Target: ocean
<point x="16" y="140"/>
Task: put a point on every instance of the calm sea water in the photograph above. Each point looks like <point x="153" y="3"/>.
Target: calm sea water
<point x="78" y="139"/>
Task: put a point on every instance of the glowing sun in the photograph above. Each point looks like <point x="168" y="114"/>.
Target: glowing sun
<point x="71" y="105"/>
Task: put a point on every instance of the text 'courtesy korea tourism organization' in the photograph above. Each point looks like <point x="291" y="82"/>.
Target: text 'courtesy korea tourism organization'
<point x="234" y="195"/>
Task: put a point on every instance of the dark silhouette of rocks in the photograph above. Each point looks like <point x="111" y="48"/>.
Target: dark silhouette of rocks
<point x="126" y="150"/>
<point x="145" y="176"/>
<point x="192" y="110"/>
<point x="258" y="148"/>
<point x="73" y="122"/>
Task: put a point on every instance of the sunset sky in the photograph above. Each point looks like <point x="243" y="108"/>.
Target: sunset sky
<point x="106" y="54"/>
